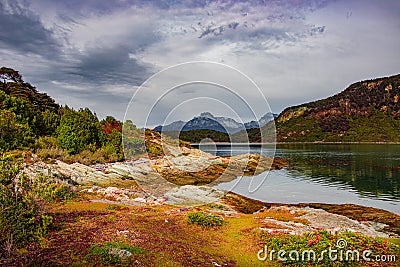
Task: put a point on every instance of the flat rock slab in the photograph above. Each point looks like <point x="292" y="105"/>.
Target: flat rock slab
<point x="193" y="195"/>
<point x="319" y="219"/>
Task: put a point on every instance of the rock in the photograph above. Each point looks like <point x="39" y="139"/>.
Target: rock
<point x="118" y="194"/>
<point x="140" y="199"/>
<point x="121" y="169"/>
<point x="193" y="195"/>
<point x="376" y="225"/>
<point x="320" y="219"/>
<point x="199" y="168"/>
<point x="375" y="217"/>
<point x="123" y="232"/>
<point x="94" y="189"/>
<point x="121" y="253"/>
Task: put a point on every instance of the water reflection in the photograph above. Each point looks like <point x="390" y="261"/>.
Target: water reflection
<point x="372" y="170"/>
<point x="367" y="171"/>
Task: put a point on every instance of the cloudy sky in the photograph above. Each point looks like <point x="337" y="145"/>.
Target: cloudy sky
<point x="96" y="53"/>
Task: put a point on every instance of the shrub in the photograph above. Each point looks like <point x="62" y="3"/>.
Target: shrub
<point x="21" y="218"/>
<point x="46" y="142"/>
<point x="49" y="191"/>
<point x="88" y="157"/>
<point x="217" y="206"/>
<point x="50" y="153"/>
<point x="133" y="146"/>
<point x="205" y="220"/>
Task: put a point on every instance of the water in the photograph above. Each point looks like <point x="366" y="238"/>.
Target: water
<point x="364" y="174"/>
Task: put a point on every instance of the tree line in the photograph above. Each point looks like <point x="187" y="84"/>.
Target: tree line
<point x="33" y="120"/>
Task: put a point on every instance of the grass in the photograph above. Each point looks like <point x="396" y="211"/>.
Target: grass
<point x="103" y="253"/>
<point x="156" y="236"/>
<point x="395" y="241"/>
<point x="84" y="228"/>
<point x="284" y="216"/>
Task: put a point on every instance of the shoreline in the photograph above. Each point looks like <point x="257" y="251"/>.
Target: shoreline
<point x="145" y="186"/>
<point x="356" y="212"/>
<point x="295" y="143"/>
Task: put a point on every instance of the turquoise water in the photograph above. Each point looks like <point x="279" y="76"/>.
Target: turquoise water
<point x="362" y="174"/>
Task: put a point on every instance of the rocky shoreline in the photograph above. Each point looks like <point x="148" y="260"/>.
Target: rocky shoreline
<point x="122" y="209"/>
<point x="380" y="220"/>
<point x="170" y="181"/>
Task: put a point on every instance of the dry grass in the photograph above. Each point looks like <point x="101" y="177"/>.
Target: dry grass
<point x="162" y="231"/>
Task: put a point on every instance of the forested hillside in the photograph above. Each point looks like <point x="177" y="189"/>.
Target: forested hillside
<point x="30" y="120"/>
<point x="367" y="111"/>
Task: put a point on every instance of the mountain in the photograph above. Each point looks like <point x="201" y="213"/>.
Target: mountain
<point x="171" y="127"/>
<point x="196" y="136"/>
<point x="261" y="122"/>
<point x="366" y="111"/>
<point x="207" y="121"/>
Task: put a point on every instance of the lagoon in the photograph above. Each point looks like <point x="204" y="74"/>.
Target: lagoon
<point x="364" y="174"/>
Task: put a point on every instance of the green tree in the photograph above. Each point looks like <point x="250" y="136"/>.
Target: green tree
<point x="133" y="139"/>
<point x="8" y="74"/>
<point x="78" y="130"/>
<point x="8" y="130"/>
<point x="26" y="114"/>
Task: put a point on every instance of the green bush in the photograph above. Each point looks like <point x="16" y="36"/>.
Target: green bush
<point x="44" y="188"/>
<point x="46" y="142"/>
<point x="133" y="146"/>
<point x="50" y="153"/>
<point x="21" y="218"/>
<point x="205" y="220"/>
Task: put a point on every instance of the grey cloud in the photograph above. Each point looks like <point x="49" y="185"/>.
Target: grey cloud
<point x="92" y="52"/>
<point x="22" y="31"/>
<point x="253" y="23"/>
<point x="109" y="66"/>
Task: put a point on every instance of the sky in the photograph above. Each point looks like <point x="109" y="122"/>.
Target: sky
<point x="99" y="54"/>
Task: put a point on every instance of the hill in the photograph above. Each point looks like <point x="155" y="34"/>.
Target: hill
<point x="367" y="111"/>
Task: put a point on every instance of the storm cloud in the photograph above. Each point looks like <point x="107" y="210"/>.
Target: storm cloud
<point x="97" y="53"/>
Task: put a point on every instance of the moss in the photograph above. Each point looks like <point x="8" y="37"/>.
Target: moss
<point x="103" y="253"/>
<point x="205" y="220"/>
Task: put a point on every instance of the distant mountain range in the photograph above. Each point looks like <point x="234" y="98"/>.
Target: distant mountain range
<point x="207" y="121"/>
<point x="366" y="111"/>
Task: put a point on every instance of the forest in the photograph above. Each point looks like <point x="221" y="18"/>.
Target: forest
<point x="33" y="121"/>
